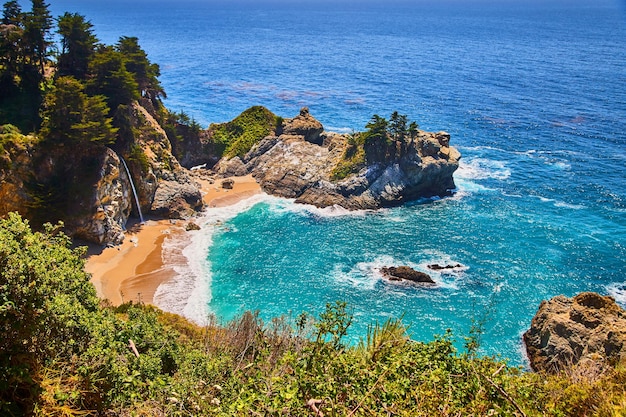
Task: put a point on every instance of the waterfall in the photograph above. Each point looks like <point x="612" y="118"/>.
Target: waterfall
<point x="132" y="186"/>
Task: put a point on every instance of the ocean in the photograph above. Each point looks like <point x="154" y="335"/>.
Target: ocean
<point x="532" y="93"/>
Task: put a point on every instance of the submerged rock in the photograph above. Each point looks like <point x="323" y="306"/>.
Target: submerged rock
<point x="437" y="267"/>
<point x="400" y="273"/>
<point x="587" y="329"/>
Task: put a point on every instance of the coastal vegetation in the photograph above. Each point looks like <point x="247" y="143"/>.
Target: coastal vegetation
<point x="65" y="353"/>
<point x="376" y="143"/>
<point x="237" y="137"/>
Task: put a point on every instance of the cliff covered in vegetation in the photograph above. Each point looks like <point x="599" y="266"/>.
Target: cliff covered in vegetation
<point x="96" y="117"/>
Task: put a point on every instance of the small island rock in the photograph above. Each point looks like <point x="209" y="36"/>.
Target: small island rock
<point x="437" y="267"/>
<point x="400" y="273"/>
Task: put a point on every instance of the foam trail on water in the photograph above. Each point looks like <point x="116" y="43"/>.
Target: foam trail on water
<point x="283" y="205"/>
<point x="481" y="168"/>
<point x="189" y="292"/>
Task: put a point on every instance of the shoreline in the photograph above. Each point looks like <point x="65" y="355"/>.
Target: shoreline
<point x="135" y="269"/>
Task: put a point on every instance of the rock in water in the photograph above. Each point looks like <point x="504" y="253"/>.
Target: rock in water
<point x="399" y="273"/>
<point x="437" y="267"/>
<point x="588" y="328"/>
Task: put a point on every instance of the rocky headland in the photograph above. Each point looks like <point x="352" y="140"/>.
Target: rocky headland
<point x="302" y="161"/>
<point x="588" y="330"/>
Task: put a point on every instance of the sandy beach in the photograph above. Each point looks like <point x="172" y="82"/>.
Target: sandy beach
<point x="134" y="270"/>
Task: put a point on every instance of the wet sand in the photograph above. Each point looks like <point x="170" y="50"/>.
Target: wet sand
<point x="134" y="270"/>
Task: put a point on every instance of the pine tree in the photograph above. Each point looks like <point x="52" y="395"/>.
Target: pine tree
<point x="78" y="44"/>
<point x="38" y="24"/>
<point x="109" y="77"/>
<point x="145" y="72"/>
<point x="71" y="116"/>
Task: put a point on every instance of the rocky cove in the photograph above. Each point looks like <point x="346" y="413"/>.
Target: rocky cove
<point x="88" y="188"/>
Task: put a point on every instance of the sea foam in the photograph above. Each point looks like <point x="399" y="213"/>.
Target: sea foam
<point x="189" y="292"/>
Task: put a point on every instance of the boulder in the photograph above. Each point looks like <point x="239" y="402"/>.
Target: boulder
<point x="176" y="200"/>
<point x="228" y="184"/>
<point x="191" y="226"/>
<point x="587" y="329"/>
<point x="405" y="273"/>
<point x="306" y="126"/>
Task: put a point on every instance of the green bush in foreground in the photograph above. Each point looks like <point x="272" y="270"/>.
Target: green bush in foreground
<point x="63" y="354"/>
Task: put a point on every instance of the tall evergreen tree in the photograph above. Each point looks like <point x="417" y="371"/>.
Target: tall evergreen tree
<point x="12" y="13"/>
<point x="38" y="24"/>
<point x="144" y="71"/>
<point x="78" y="45"/>
<point x="72" y="116"/>
<point x="109" y="77"/>
<point x="11" y="33"/>
<point x="397" y="125"/>
<point x="377" y="127"/>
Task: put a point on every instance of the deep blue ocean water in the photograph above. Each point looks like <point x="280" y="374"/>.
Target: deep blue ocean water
<point x="533" y="94"/>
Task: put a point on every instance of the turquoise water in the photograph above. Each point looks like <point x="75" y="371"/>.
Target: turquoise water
<point x="533" y="95"/>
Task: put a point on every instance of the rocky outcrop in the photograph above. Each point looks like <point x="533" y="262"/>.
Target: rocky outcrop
<point x="306" y="126"/>
<point x="437" y="267"/>
<point x="85" y="184"/>
<point x="588" y="330"/>
<point x="164" y="187"/>
<point x="405" y="273"/>
<point x="299" y="163"/>
<point x="111" y="204"/>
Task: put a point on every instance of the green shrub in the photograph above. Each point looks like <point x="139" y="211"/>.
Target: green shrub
<point x="238" y="136"/>
<point x="353" y="159"/>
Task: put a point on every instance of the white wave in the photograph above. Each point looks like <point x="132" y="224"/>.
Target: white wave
<point x="565" y="166"/>
<point x="283" y="205"/>
<point x="465" y="187"/>
<point x="558" y="203"/>
<point x="365" y="275"/>
<point x="481" y="148"/>
<point x="481" y="168"/>
<point x="189" y="292"/>
<point x="617" y="290"/>
<point x="569" y="206"/>
<point x="447" y="278"/>
<point x="340" y="130"/>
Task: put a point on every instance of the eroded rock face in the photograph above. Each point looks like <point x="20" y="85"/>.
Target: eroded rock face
<point x="587" y="328"/>
<point x="86" y="186"/>
<point x="299" y="164"/>
<point x="111" y="204"/>
<point x="164" y="187"/>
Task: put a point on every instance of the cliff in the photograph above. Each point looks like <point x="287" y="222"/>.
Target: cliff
<point x="86" y="185"/>
<point x="587" y="330"/>
<point x="304" y="162"/>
